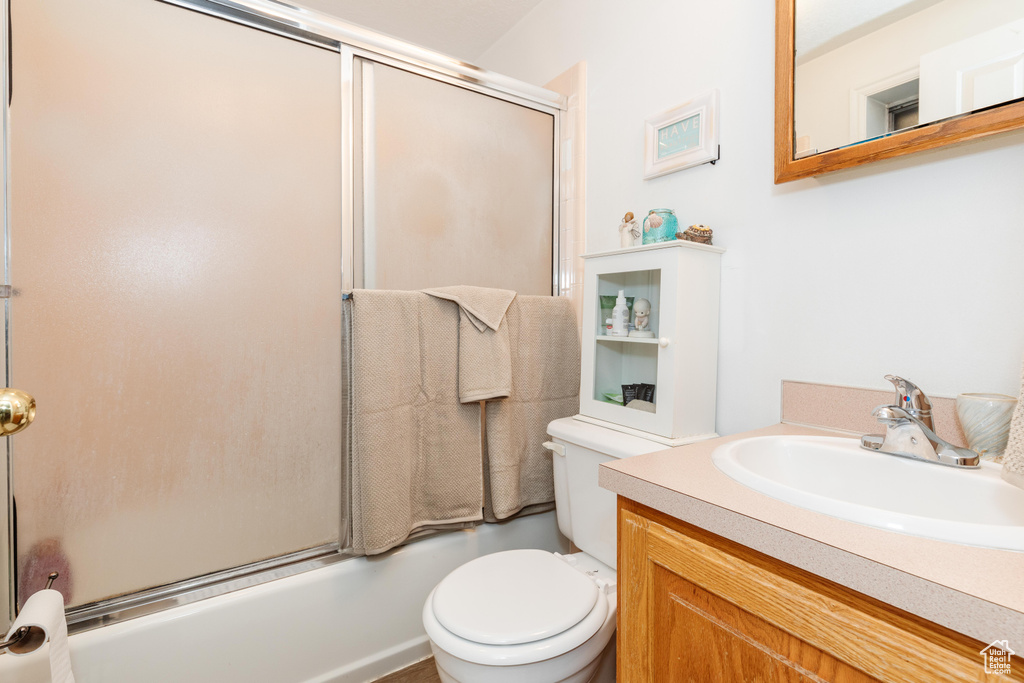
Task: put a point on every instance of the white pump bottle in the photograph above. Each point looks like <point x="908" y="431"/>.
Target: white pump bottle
<point x="620" y="316"/>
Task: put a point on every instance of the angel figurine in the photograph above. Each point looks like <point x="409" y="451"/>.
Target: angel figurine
<point x="629" y="231"/>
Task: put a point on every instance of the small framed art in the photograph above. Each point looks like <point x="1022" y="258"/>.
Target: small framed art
<point x="682" y="137"/>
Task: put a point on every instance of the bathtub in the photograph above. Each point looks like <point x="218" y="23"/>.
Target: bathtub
<point x="346" y="623"/>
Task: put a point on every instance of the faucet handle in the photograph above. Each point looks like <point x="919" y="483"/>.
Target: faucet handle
<point x="910" y="397"/>
<point x="890" y="414"/>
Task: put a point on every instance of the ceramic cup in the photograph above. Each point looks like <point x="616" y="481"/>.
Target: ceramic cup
<point x="986" y="421"/>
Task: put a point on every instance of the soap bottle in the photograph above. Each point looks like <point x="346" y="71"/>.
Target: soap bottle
<point x="620" y="316"/>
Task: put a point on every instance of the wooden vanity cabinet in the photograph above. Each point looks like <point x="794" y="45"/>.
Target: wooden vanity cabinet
<point x="697" y="607"/>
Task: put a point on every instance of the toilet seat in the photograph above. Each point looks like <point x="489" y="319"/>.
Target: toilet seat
<point x="515" y="607"/>
<point x="513" y="597"/>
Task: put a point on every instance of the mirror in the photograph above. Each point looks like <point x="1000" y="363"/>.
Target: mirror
<point x="861" y="81"/>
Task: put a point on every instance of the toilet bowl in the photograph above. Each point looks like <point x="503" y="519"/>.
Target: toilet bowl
<point x="523" y="615"/>
<point x="532" y="615"/>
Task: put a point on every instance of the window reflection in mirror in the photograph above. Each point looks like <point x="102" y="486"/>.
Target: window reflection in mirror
<point x="870" y="68"/>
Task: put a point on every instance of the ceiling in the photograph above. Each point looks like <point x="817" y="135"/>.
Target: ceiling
<point x="823" y="25"/>
<point x="459" y="28"/>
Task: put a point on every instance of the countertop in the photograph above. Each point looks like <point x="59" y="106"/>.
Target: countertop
<point x="975" y="591"/>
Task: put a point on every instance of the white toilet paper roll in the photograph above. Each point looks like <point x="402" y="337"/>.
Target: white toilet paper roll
<point x="43" y="614"/>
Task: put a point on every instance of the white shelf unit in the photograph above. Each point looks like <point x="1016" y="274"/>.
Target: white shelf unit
<point x="682" y="282"/>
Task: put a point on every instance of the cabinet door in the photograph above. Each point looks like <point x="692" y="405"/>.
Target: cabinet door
<point x="700" y="638"/>
<point x="680" y="281"/>
<point x="696" y="607"/>
<point x="610" y="362"/>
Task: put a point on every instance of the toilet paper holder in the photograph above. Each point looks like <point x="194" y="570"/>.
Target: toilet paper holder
<point x="25" y="632"/>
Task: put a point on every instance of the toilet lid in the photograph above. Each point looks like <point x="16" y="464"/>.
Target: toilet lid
<point x="517" y="596"/>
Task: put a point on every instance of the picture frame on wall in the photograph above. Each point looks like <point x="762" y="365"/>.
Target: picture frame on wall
<point x="682" y="137"/>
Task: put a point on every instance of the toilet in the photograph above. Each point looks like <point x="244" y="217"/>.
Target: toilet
<point x="534" y="615"/>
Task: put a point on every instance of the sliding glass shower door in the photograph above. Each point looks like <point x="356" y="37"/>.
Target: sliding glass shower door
<point x="457" y="186"/>
<point x="176" y="261"/>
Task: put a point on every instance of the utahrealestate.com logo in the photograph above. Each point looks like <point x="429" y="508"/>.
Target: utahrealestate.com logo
<point x="997" y="657"/>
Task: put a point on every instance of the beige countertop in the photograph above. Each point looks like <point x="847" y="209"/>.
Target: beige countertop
<point x="976" y="591"/>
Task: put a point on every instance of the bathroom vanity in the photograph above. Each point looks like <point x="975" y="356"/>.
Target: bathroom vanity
<point x="720" y="583"/>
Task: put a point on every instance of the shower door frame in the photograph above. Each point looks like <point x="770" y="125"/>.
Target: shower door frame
<point x="350" y="42"/>
<point x="7" y="573"/>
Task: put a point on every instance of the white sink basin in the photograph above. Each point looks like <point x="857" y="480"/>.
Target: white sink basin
<point x="835" y="476"/>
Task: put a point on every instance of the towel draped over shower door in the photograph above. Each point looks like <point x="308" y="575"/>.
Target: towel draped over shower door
<point x="544" y="344"/>
<point x="417" y="456"/>
<point x="485" y="359"/>
<point x="415" y="449"/>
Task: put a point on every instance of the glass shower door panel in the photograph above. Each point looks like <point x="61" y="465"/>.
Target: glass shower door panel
<point x="457" y="186"/>
<point x="176" y="258"/>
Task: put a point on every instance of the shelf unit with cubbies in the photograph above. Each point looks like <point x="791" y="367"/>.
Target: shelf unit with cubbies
<point x="682" y="282"/>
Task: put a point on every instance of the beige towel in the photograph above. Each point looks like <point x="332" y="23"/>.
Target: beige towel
<point x="1013" y="457"/>
<point x="415" y="450"/>
<point x="485" y="359"/>
<point x="545" y="348"/>
<point x="486" y="307"/>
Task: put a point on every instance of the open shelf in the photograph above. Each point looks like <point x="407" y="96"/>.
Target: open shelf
<point x="637" y="284"/>
<point x="617" y="364"/>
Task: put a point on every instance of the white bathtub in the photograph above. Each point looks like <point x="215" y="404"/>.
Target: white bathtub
<point x="348" y="623"/>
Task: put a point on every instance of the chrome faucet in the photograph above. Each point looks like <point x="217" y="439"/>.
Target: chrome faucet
<point x="910" y="433"/>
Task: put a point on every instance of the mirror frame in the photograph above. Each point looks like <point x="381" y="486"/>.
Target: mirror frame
<point x="996" y="119"/>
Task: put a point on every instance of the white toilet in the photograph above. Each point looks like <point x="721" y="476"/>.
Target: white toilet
<point x="532" y="615"/>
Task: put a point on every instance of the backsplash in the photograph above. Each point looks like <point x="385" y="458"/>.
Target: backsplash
<point x="849" y="408"/>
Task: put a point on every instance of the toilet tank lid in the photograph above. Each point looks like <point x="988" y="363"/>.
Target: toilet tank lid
<point x="513" y="597"/>
<point x="601" y="439"/>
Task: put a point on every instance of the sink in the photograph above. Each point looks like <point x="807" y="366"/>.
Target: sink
<point x="836" y="477"/>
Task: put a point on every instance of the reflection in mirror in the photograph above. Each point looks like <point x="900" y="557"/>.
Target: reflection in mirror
<point x="870" y="68"/>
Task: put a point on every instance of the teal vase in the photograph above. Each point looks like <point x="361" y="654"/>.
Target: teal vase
<point x="663" y="233"/>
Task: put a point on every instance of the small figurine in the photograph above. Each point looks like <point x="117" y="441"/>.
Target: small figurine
<point x="629" y="231"/>
<point x="641" y="319"/>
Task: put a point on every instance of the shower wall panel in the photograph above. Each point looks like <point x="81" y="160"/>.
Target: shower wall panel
<point x="176" y="256"/>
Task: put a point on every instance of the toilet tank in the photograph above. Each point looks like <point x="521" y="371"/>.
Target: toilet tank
<point x="586" y="512"/>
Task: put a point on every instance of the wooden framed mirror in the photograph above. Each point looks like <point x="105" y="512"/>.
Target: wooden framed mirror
<point x="859" y="82"/>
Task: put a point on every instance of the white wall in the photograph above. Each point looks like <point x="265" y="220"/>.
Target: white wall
<point x="913" y="266"/>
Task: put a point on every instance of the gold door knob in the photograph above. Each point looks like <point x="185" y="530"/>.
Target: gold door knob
<point x="17" y="410"/>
